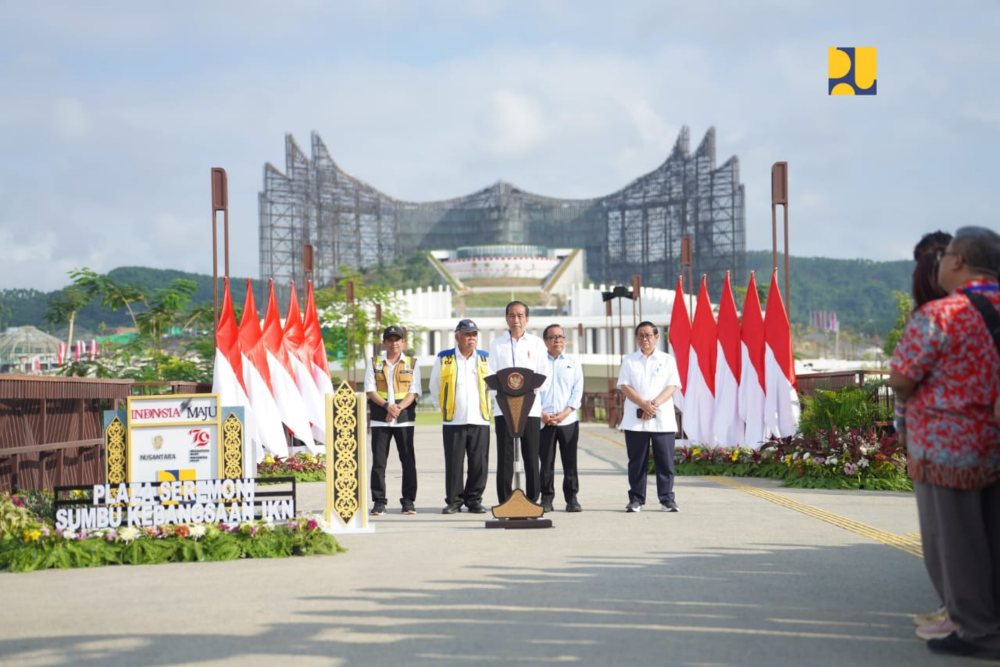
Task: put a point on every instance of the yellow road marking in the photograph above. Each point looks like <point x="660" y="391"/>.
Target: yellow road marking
<point x="909" y="542"/>
<point x="901" y="542"/>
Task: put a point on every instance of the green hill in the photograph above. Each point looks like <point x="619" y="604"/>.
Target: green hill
<point x="858" y="290"/>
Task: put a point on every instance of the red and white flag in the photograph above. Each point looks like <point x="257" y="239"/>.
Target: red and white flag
<point x="286" y="392"/>
<point x="92" y="351"/>
<point x="680" y="341"/>
<point x="257" y="379"/>
<point x="727" y="426"/>
<point x="781" y="400"/>
<point x="699" y="401"/>
<point x="314" y="342"/>
<point x="227" y="372"/>
<point x="61" y="354"/>
<point x="752" y="368"/>
<point x="79" y="350"/>
<point x="301" y="359"/>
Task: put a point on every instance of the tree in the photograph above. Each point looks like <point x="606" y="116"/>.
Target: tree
<point x="904" y="306"/>
<point x="112" y="294"/>
<point x="349" y="328"/>
<point x="63" y="308"/>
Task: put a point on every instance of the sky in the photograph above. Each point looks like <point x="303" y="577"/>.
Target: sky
<point x="112" y="114"/>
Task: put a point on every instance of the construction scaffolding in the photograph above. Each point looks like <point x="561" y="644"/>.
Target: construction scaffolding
<point x="636" y="230"/>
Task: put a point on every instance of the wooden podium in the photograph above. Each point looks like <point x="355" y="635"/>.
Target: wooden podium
<point x="515" y="389"/>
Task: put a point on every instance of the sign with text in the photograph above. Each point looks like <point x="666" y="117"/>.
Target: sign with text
<point x="174" y="438"/>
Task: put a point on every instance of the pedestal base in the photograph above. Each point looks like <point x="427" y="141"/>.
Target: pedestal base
<point x="512" y="524"/>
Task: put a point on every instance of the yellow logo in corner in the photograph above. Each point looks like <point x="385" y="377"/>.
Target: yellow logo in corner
<point x="852" y="70"/>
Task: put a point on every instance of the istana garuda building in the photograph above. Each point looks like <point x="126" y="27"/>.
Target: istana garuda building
<point x="636" y="230"/>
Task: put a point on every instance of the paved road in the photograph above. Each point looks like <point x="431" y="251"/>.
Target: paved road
<point x="747" y="573"/>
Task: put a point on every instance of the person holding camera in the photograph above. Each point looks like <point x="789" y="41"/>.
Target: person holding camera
<point x="648" y="379"/>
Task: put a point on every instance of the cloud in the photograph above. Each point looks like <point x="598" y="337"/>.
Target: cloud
<point x="112" y="120"/>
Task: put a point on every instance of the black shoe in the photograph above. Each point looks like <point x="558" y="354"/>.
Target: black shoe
<point x="670" y="506"/>
<point x="451" y="509"/>
<point x="634" y="506"/>
<point x="547" y="506"/>
<point x="409" y="508"/>
<point x="573" y="506"/>
<point x="955" y="645"/>
<point x="378" y="509"/>
<point x="476" y="508"/>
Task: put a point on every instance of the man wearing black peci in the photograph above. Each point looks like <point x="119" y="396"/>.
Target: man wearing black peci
<point x="518" y="348"/>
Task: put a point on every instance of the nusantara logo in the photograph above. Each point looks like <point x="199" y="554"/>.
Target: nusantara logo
<point x="852" y="70"/>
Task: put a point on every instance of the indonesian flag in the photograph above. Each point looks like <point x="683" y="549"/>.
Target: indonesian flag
<point x="286" y="393"/>
<point x="781" y="401"/>
<point x="752" y="368"/>
<point x="257" y="379"/>
<point x="92" y="351"/>
<point x="727" y="426"/>
<point x="699" y="402"/>
<point x="295" y="343"/>
<point x="79" y="350"/>
<point x="314" y="343"/>
<point x="227" y="373"/>
<point x="61" y="354"/>
<point x="680" y="341"/>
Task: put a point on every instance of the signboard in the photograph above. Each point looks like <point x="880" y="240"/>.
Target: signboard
<point x="173" y="438"/>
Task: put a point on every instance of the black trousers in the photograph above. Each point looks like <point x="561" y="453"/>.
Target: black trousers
<point x="637" y="443"/>
<point x="472" y="440"/>
<point x="529" y="457"/>
<point x="566" y="437"/>
<point x="403" y="435"/>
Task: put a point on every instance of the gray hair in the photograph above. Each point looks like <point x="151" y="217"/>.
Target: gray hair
<point x="980" y="247"/>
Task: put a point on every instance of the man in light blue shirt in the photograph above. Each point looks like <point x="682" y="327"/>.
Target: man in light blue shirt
<point x="560" y="401"/>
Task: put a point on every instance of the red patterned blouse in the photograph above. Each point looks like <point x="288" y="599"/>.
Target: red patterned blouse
<point x="952" y="438"/>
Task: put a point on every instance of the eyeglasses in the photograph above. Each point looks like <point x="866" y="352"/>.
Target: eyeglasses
<point x="555" y="338"/>
<point x="940" y="254"/>
<point x="646" y="336"/>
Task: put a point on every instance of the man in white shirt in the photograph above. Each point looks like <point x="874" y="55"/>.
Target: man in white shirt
<point x="648" y="379"/>
<point x="458" y="390"/>
<point x="392" y="384"/>
<point x="518" y="348"/>
<point x="560" y="424"/>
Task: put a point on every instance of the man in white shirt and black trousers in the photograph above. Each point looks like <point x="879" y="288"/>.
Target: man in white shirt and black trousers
<point x="560" y="424"/>
<point x="518" y="348"/>
<point x="392" y="384"/>
<point x="649" y="378"/>
<point x="459" y="391"/>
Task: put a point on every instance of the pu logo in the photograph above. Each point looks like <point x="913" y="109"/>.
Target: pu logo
<point x="852" y="70"/>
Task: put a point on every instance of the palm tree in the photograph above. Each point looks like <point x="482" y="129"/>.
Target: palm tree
<point x="63" y="308"/>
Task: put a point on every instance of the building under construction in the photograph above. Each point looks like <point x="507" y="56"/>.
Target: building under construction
<point x="636" y="230"/>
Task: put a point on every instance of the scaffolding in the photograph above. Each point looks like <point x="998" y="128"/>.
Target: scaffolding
<point x="636" y="230"/>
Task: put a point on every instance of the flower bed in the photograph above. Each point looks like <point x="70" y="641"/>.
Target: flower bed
<point x="830" y="459"/>
<point x="304" y="467"/>
<point x="28" y="541"/>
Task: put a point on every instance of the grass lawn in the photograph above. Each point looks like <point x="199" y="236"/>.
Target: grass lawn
<point x="428" y="418"/>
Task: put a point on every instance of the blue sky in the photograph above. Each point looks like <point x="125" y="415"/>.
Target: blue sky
<point x="113" y="113"/>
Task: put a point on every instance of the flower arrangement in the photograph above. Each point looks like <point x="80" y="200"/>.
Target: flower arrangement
<point x="31" y="543"/>
<point x="854" y="458"/>
<point x="304" y="467"/>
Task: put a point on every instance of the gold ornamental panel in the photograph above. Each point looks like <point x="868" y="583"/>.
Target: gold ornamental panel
<point x="114" y="446"/>
<point x="345" y="453"/>
<point x="232" y="448"/>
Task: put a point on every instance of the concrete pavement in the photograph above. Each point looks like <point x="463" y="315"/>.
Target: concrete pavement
<point x="747" y="573"/>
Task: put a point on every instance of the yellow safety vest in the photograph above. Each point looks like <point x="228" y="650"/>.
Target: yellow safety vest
<point x="402" y="377"/>
<point x="449" y="381"/>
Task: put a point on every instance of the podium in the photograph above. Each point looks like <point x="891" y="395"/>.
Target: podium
<point x="515" y="389"/>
